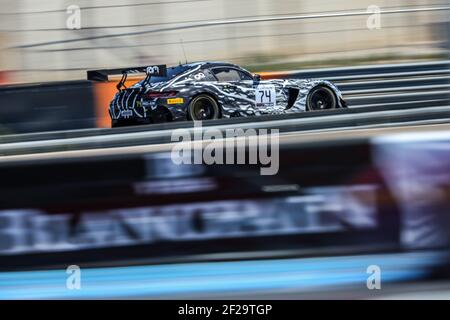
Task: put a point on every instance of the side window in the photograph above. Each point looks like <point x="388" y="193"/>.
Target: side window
<point x="227" y="74"/>
<point x="245" y="76"/>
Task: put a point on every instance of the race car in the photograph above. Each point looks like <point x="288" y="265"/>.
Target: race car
<point x="211" y="90"/>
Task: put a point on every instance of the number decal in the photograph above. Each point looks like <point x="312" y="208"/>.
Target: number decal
<point x="265" y="96"/>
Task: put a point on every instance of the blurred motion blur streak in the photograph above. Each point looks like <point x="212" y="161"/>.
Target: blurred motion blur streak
<point x="417" y="171"/>
<point x="331" y="276"/>
<point x="275" y="43"/>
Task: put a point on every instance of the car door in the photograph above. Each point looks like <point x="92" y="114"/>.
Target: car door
<point x="248" y="96"/>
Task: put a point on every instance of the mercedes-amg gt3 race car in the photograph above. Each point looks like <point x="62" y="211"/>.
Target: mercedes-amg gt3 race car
<point x="211" y="90"/>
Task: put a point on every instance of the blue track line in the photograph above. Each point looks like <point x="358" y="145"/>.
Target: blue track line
<point x="164" y="281"/>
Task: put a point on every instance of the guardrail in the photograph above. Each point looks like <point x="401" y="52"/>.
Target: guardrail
<point x="239" y="21"/>
<point x="424" y="84"/>
<point x="157" y="134"/>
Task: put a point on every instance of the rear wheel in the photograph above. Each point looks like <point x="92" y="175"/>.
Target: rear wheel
<point x="203" y="107"/>
<point x="321" y="98"/>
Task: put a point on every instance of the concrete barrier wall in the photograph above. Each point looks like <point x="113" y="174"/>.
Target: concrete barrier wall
<point x="35" y="34"/>
<point x="47" y="107"/>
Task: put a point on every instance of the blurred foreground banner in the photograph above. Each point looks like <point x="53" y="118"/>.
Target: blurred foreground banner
<point x="329" y="198"/>
<point x="416" y="169"/>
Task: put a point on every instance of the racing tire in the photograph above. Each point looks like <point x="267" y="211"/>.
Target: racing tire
<point x="321" y="98"/>
<point x="203" y="107"/>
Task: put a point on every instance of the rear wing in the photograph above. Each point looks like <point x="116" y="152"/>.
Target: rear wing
<point x="103" y="75"/>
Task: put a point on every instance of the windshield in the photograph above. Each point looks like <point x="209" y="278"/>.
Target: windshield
<point x="171" y="73"/>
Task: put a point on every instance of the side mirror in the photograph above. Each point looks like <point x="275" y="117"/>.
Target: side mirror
<point x="257" y="77"/>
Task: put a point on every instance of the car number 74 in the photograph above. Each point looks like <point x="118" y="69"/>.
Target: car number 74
<point x="265" y="96"/>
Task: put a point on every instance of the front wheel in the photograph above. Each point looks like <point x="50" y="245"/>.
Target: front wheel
<point x="321" y="98"/>
<point x="203" y="107"/>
